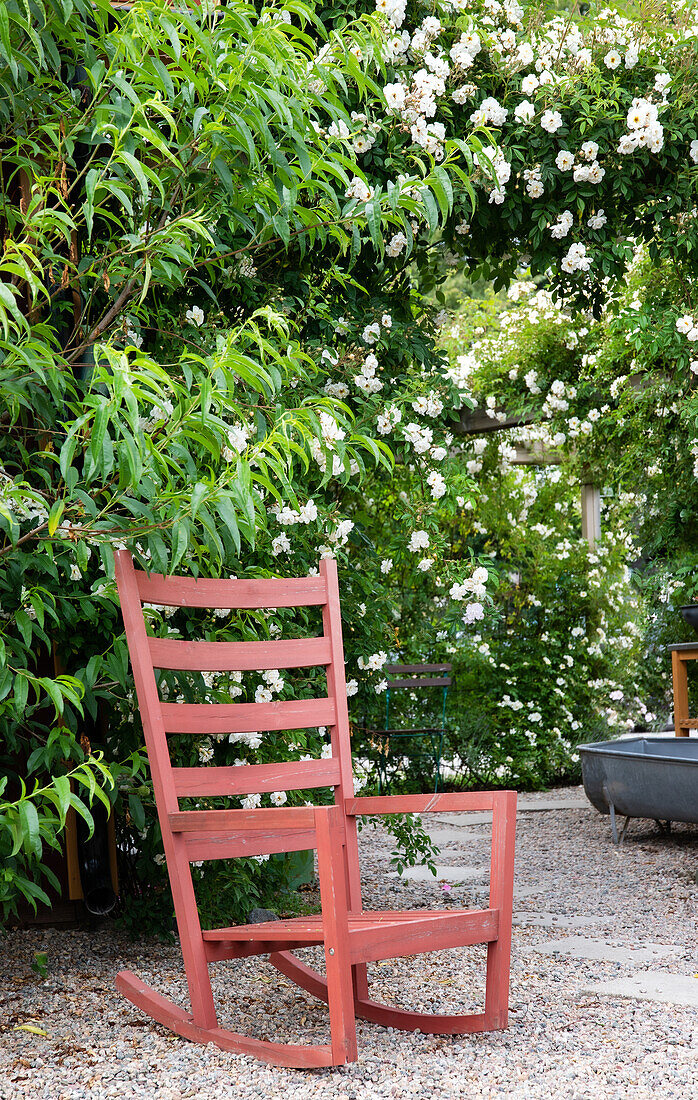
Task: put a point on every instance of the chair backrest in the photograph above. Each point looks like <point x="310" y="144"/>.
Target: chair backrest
<point x="161" y="718"/>
<point x="418" y="676"/>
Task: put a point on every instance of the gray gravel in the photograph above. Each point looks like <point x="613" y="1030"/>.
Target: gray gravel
<point x="564" y="1040"/>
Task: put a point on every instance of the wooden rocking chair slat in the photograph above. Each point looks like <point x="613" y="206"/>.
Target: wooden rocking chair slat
<point x="215" y="719"/>
<point x="279" y="817"/>
<point x="238" y="656"/>
<point x="259" y="842"/>
<point x="242" y="595"/>
<point x="370" y="933"/>
<point x="351" y="937"/>
<point x="298" y="775"/>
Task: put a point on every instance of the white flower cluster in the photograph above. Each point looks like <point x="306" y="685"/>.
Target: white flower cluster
<point x="336" y="389"/>
<point x="273" y="683"/>
<point x="531" y="380"/>
<point x="358" y="189"/>
<point x="597" y="220"/>
<point x="437" y="484"/>
<point x="330" y="429"/>
<point x="558" y="398"/>
<point x="159" y="414"/>
<point x="420" y="438"/>
<point x="237" y="441"/>
<point x="562" y="226"/>
<point x="394" y="10"/>
<point x="388" y="420"/>
<point x="419" y="540"/>
<point x="501" y="169"/>
<point x="288" y="517"/>
<point x="396" y="245"/>
<point x="645" y="131"/>
<point x="534" y="182"/>
<point x="687" y="327"/>
<point x="429" y="405"/>
<point x="132" y="334"/>
<point x="366" y="380"/>
<point x="583" y="173"/>
<point x="365" y="133"/>
<point x="374" y="663"/>
<point x="430" y="135"/>
<point x="489" y="113"/>
<point x="576" y="259"/>
<point x="464" y="52"/>
<point x="473" y="589"/>
<point x="341" y="532"/>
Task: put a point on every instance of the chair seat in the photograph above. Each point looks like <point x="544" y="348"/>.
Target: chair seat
<point x="384" y="934"/>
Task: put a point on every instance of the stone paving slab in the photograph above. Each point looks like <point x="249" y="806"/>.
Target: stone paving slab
<point x="446" y="837"/>
<point x="557" y="920"/>
<point x="524" y="806"/>
<point x="653" y="985"/>
<point x="579" y="947"/>
<point x="443" y="872"/>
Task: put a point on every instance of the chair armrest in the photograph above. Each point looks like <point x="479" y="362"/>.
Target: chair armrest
<point x="503" y="807"/>
<point x="428" y="803"/>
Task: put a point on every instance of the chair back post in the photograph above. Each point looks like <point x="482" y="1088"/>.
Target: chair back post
<point x="336" y="679"/>
<point x="146" y="686"/>
<point x="178" y="869"/>
<point x="341" y="742"/>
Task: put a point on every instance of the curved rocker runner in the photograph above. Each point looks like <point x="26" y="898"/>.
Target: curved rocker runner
<point x="351" y="936"/>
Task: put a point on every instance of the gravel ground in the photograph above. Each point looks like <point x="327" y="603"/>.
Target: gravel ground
<point x="564" y="1041"/>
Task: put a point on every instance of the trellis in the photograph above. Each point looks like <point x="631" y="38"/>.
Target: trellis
<point x="536" y="454"/>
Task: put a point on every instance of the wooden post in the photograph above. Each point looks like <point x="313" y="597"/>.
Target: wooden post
<point x="680" y="680"/>
<point x="591" y="513"/>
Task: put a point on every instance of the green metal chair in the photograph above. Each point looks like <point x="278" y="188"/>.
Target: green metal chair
<point x="413" y="677"/>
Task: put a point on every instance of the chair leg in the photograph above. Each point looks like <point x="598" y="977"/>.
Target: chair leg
<point x="199" y="981"/>
<point x="497" y="985"/>
<point x="359" y="973"/>
<point x="501" y="898"/>
<point x="333" y="893"/>
<point x="192" y="945"/>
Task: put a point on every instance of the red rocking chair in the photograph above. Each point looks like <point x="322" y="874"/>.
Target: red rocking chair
<point x="351" y="936"/>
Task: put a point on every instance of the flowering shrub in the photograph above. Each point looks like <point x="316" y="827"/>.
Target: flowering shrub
<point x="200" y="330"/>
<point x="217" y="345"/>
<point x="610" y="401"/>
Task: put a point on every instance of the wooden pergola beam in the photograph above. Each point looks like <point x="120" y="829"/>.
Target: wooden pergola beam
<point x="477" y="422"/>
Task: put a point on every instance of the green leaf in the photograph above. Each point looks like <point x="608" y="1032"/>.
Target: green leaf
<point x="80" y="808"/>
<point x="62" y="785"/>
<point x="21" y="692"/>
<point x="226" y="511"/>
<point x="199" y="493"/>
<point x="54" y="516"/>
<point x="137" y="812"/>
<point x="29" y="821"/>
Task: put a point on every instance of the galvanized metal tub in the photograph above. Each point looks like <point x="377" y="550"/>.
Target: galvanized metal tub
<point x="653" y="777"/>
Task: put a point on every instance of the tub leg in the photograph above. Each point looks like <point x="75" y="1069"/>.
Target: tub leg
<point x="614" y="827"/>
